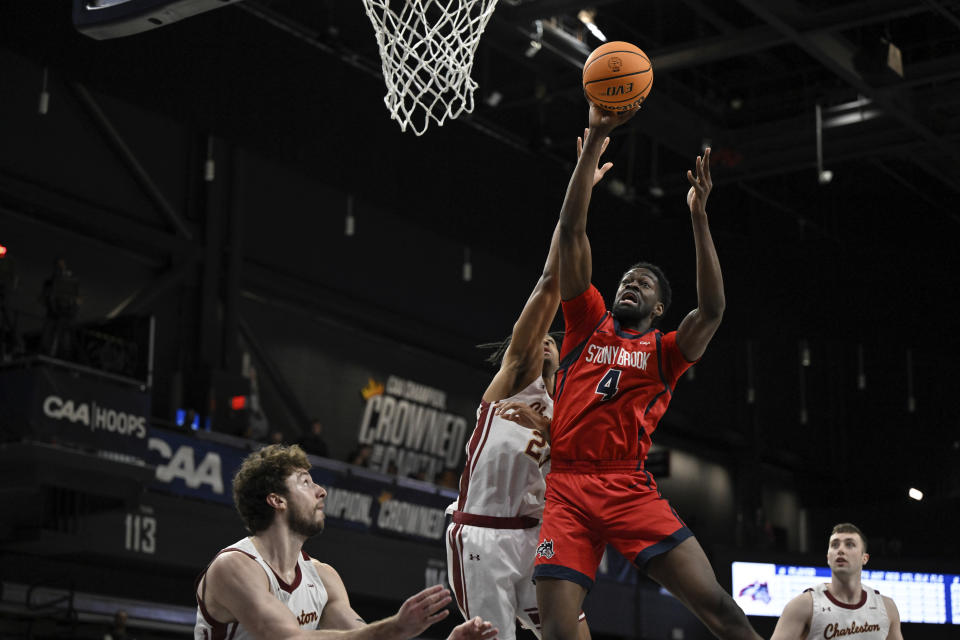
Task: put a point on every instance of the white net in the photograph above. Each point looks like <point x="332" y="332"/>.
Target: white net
<point x="427" y="51"/>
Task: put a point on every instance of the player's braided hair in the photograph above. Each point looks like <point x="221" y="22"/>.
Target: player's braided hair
<point x="847" y="527"/>
<point x="663" y="285"/>
<point x="264" y="472"/>
<point x="498" y="349"/>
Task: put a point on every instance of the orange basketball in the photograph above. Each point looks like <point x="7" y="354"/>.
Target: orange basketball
<point x="617" y="76"/>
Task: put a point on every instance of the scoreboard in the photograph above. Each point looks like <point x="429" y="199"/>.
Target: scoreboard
<point x="763" y="589"/>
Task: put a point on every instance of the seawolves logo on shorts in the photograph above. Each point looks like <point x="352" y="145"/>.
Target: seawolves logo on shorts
<point x="545" y="550"/>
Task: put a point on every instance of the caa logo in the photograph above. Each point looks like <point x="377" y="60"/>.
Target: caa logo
<point x="56" y="408"/>
<point x="182" y="465"/>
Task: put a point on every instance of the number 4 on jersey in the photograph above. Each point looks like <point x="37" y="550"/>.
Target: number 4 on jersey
<point x="609" y="384"/>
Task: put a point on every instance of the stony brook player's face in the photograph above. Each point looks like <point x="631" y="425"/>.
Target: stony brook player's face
<point x="637" y="297"/>
<point x="845" y="554"/>
<point x="305" y="513"/>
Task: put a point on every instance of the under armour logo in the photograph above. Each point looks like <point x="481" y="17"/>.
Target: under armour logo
<point x="474" y="556"/>
<point x="545" y="550"/>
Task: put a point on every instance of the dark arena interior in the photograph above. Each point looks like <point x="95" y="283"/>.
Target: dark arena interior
<point x="212" y="235"/>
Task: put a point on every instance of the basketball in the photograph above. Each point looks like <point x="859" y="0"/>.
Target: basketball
<point x="617" y="76"/>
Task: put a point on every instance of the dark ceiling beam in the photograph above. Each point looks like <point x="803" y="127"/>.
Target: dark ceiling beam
<point x="943" y="12"/>
<point x="126" y="154"/>
<point x="706" y="50"/>
<point x="548" y="8"/>
<point x="928" y="72"/>
<point x="742" y="42"/>
<point x="836" y="54"/>
<point x="42" y="203"/>
<point x="141" y="299"/>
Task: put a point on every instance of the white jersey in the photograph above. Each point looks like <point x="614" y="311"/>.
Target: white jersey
<point x="305" y="596"/>
<point x="506" y="463"/>
<point x="492" y="541"/>
<point x="866" y="620"/>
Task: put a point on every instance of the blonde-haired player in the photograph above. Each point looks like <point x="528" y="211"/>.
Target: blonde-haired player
<point x="842" y="607"/>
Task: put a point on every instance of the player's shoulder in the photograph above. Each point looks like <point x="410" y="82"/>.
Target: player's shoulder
<point x="800" y="605"/>
<point x="325" y="571"/>
<point x="233" y="564"/>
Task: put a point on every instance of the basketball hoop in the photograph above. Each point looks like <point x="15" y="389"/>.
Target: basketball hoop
<point x="427" y="52"/>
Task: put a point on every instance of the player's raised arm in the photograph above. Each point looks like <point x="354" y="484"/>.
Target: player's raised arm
<point x="698" y="327"/>
<point x="576" y="261"/>
<point x="523" y="359"/>
<point x="794" y="622"/>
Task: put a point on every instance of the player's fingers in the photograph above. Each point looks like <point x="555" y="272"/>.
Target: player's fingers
<point x="579" y="146"/>
<point x="691" y="179"/>
<point x="440" y="615"/>
<point x="606" y="141"/>
<point x="426" y="594"/>
<point x="606" y="167"/>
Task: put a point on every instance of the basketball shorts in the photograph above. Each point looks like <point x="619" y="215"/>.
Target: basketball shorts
<point x="490" y="574"/>
<point x="586" y="511"/>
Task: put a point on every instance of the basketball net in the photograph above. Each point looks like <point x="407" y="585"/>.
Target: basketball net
<point x="427" y="54"/>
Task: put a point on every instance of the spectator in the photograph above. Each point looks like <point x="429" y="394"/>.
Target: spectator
<point x="313" y="442"/>
<point x="61" y="300"/>
<point x="276" y="437"/>
<point x="119" y="629"/>
<point x="361" y="455"/>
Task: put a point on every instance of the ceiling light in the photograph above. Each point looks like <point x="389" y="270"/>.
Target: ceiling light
<point x="586" y="17"/>
<point x="915" y="494"/>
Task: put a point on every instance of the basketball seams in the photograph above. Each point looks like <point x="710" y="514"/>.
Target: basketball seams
<point x="626" y="99"/>
<point x="608" y="78"/>
<point x="590" y="63"/>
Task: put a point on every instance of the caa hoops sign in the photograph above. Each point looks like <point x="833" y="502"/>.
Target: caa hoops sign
<point x="57" y="403"/>
<point x="95" y="416"/>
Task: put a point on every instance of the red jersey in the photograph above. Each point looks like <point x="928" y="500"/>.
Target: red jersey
<point x="613" y="384"/>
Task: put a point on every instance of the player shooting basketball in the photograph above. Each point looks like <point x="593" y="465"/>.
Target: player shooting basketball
<point x="616" y="376"/>
<point x="494" y="534"/>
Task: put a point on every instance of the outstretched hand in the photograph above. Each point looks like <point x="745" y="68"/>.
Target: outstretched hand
<point x="601" y="170"/>
<point x="701" y="185"/>
<point x="474" y="629"/>
<point x="420" y="611"/>
<point x="525" y="416"/>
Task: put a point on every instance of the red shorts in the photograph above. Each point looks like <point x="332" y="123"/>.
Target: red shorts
<point x="586" y="509"/>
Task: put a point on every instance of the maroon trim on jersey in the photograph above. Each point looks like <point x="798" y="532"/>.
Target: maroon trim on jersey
<point x="283" y="585"/>
<point x="455" y="542"/>
<point x="293" y="585"/>
<point x="494" y="522"/>
<point x="477" y="440"/>
<point x="844" y="605"/>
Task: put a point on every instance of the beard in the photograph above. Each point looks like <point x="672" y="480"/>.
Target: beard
<point x="628" y="314"/>
<point x="304" y="524"/>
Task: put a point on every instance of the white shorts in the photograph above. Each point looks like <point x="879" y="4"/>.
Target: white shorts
<point x="490" y="573"/>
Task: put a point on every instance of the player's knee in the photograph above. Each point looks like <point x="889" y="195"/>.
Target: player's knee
<point x="554" y="628"/>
